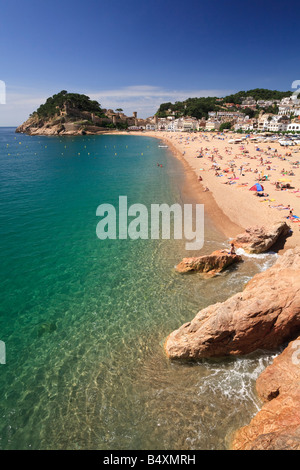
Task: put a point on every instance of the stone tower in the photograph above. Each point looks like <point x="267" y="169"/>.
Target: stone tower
<point x="135" y="118"/>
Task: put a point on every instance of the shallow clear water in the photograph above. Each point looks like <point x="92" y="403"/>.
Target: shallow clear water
<point x="84" y="320"/>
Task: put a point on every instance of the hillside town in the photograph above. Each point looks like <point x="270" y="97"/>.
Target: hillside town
<point x="74" y="114"/>
<point x="287" y="119"/>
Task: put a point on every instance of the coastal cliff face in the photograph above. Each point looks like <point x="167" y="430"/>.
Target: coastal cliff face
<point x="58" y="126"/>
<point x="264" y="316"/>
<point x="209" y="265"/>
<point x="277" y="425"/>
<point x="36" y="126"/>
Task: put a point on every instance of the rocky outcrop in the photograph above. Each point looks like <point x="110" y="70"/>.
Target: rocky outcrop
<point x="264" y="316"/>
<point x="260" y="239"/>
<point x="209" y="265"/>
<point x="74" y="114"/>
<point x="277" y="425"/>
<point x="56" y="127"/>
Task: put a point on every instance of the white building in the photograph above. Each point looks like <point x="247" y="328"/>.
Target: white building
<point x="263" y="123"/>
<point x="265" y="103"/>
<point x="186" y="124"/>
<point x="294" y="126"/>
<point x="275" y="126"/>
<point x="285" y="110"/>
<point x="151" y="127"/>
<point x="212" y="125"/>
<point x="172" y="126"/>
<point x="162" y="124"/>
<point x="288" y="101"/>
<point x="228" y="114"/>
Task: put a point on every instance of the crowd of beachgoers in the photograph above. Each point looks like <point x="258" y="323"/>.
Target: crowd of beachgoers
<point x="254" y="182"/>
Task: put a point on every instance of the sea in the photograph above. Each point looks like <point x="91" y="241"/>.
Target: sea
<point x="84" y="320"/>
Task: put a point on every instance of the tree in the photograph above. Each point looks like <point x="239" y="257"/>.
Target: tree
<point x="249" y="112"/>
<point x="225" y="125"/>
<point x="76" y="100"/>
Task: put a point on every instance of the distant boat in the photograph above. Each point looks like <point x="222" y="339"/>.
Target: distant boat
<point x="163" y="146"/>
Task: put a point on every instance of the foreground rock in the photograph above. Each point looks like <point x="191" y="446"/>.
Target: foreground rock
<point x="260" y="239"/>
<point x="208" y="264"/>
<point x="264" y="316"/>
<point x="277" y="425"/>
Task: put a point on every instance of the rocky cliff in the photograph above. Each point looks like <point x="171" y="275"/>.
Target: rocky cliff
<point x="264" y="316"/>
<point x="53" y="126"/>
<point x="277" y="425"/>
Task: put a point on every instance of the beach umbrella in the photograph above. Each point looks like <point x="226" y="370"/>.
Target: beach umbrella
<point x="257" y="187"/>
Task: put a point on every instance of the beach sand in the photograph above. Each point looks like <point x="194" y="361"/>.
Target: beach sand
<point x="229" y="170"/>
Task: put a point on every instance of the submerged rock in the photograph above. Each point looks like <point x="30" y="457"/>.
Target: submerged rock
<point x="264" y="316"/>
<point x="277" y="425"/>
<point x="260" y="239"/>
<point x="208" y="264"/>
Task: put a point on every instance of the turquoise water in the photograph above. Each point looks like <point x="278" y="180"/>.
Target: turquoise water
<point x="84" y="320"/>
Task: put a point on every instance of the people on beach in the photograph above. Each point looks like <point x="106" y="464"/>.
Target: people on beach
<point x="240" y="167"/>
<point x="232" y="249"/>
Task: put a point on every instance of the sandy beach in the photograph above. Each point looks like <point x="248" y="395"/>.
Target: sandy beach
<point x="220" y="175"/>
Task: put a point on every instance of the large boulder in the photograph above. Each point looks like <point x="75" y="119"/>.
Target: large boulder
<point x="277" y="425"/>
<point x="209" y="265"/>
<point x="259" y="239"/>
<point x="264" y="316"/>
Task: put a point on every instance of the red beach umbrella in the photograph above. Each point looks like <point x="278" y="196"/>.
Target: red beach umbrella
<point x="257" y="187"/>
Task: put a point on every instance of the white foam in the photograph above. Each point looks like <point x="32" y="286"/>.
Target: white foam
<point x="235" y="380"/>
<point x="267" y="255"/>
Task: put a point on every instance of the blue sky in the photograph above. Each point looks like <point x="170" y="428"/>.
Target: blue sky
<point x="136" y="55"/>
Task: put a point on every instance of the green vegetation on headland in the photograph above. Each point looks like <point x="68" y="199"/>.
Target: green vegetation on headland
<point x="257" y="94"/>
<point x="200" y="107"/>
<point x="74" y="100"/>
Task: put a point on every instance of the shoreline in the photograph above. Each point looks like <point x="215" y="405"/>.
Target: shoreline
<point x="232" y="209"/>
<point x="195" y="190"/>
